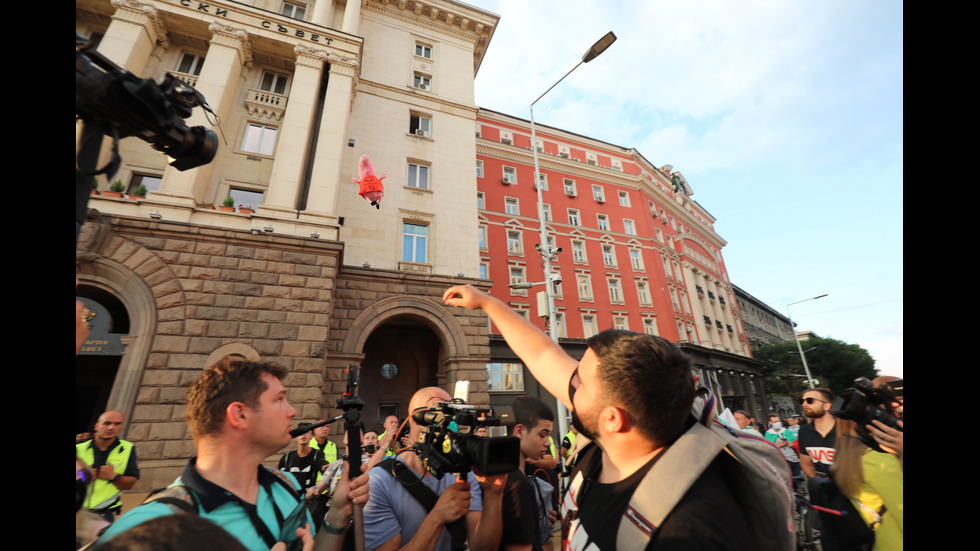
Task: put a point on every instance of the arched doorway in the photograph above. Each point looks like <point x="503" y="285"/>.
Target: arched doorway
<point x="400" y="356"/>
<point x="98" y="360"/>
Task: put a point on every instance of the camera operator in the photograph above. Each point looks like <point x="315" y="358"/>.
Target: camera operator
<point x="395" y="519"/>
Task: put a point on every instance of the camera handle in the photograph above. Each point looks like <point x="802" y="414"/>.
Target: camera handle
<point x="351" y="404"/>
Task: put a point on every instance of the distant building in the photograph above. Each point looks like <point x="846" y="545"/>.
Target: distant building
<point x="763" y="324"/>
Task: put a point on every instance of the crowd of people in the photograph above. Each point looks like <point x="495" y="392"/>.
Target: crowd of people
<point x="630" y="396"/>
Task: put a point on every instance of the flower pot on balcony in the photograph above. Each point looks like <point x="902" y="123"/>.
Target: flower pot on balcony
<point x="246" y="210"/>
<point x="226" y="209"/>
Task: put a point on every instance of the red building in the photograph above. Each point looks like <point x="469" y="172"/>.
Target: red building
<point x="637" y="252"/>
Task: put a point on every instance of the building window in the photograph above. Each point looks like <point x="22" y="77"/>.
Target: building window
<point x="636" y="259"/>
<point x="419" y="125"/>
<point x="506" y="138"/>
<point x="624" y="198"/>
<point x="484" y="270"/>
<point x="609" y="256"/>
<point x="573" y="217"/>
<point x="423" y="50"/>
<point x="190" y="64"/>
<point x="543" y="181"/>
<point x="514" y="243"/>
<point x="584" y="284"/>
<point x="482" y="237"/>
<point x="650" y="327"/>
<point x="422" y="82"/>
<point x="602" y="221"/>
<point x="295" y="11"/>
<point x="628" y="227"/>
<point x="589" y="326"/>
<point x="546" y="210"/>
<point x="151" y="183"/>
<point x="479" y="170"/>
<point x="559" y="325"/>
<point x="578" y="252"/>
<point x="642" y="293"/>
<point x="505" y="376"/>
<point x="570" y="187"/>
<point x="517" y="277"/>
<point x="414" y="242"/>
<point x="598" y="194"/>
<point x="615" y="291"/>
<point x="245" y="197"/>
<point x="621" y="322"/>
<point x="481" y="201"/>
<point x="511" y="206"/>
<point x="510" y="175"/>
<point x="418" y="176"/>
<point x="273" y="82"/>
<point x="259" y="139"/>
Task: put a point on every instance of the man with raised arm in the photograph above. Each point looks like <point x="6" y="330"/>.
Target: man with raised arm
<point x="631" y="394"/>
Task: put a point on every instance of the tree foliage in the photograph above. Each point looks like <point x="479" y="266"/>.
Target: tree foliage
<point x="835" y="364"/>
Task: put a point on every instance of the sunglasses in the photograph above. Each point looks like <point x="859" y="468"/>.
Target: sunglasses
<point x="810" y="401"/>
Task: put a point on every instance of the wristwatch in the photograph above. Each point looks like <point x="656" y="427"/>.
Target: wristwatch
<point x="115" y="478"/>
<point x="335" y="530"/>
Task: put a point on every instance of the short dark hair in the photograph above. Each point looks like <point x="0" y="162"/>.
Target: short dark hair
<point x="221" y="384"/>
<point x="647" y="376"/>
<point x="529" y="411"/>
<point x="825" y="392"/>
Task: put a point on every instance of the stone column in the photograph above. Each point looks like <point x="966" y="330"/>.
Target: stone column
<point x="323" y="12"/>
<point x="294" y="134"/>
<point x="321" y="202"/>
<point x="229" y="52"/>
<point x="352" y="17"/>
<point x="131" y="36"/>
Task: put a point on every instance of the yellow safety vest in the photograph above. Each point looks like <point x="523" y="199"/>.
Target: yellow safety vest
<point x="329" y="453"/>
<point x="104" y="493"/>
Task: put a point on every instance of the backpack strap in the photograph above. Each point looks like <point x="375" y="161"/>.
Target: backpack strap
<point x="665" y="484"/>
<point x="178" y="498"/>
<point x="425" y="496"/>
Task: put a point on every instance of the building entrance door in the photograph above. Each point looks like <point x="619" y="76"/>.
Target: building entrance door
<point x="400" y="357"/>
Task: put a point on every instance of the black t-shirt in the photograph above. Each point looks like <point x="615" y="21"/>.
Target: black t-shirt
<point x="303" y="468"/>
<point x="819" y="448"/>
<point x="706" y="518"/>
<point x="519" y="512"/>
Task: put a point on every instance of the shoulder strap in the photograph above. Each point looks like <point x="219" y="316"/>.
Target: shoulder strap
<point x="665" y="484"/>
<point x="425" y="496"/>
<point x="178" y="498"/>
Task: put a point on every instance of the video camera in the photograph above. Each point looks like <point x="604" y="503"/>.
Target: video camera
<point x="864" y="403"/>
<point x="121" y="104"/>
<point x="444" y="450"/>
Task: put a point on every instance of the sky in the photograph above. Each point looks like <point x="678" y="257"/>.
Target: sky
<point x="784" y="116"/>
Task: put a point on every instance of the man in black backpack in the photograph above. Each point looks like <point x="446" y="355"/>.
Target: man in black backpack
<point x="632" y="395"/>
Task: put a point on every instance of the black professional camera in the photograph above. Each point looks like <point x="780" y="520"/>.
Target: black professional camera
<point x="444" y="450"/>
<point x="864" y="403"/>
<point x="120" y="104"/>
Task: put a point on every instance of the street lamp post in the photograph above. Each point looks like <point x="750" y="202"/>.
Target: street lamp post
<point x="809" y="378"/>
<point x="545" y="248"/>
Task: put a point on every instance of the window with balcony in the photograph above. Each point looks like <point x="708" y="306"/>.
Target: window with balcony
<point x="273" y="82"/>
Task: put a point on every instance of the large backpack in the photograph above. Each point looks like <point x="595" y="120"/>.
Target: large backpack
<point x="754" y="468"/>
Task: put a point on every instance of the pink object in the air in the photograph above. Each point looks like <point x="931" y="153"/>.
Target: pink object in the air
<point x="371" y="188"/>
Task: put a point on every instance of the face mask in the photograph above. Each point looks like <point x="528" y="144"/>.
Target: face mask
<point x="777" y="425"/>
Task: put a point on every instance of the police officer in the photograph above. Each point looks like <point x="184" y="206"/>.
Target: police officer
<point x="113" y="464"/>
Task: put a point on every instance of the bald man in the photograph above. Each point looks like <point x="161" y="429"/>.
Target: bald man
<point x="395" y="519"/>
<point x="113" y="464"/>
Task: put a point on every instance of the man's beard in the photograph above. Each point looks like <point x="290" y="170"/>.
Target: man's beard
<point x="580" y="425"/>
<point x="814" y="413"/>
